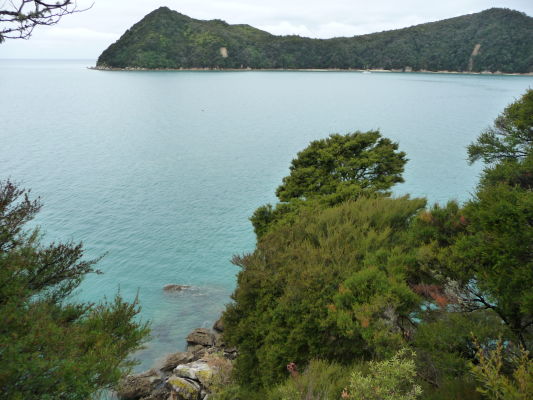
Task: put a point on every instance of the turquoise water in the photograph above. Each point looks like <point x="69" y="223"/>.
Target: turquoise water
<point x="161" y="170"/>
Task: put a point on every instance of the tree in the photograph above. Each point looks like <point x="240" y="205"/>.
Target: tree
<point x="479" y="256"/>
<point x="19" y="18"/>
<point x="332" y="170"/>
<point x="511" y="136"/>
<point x="50" y="346"/>
<point x="331" y="285"/>
<point x="344" y="165"/>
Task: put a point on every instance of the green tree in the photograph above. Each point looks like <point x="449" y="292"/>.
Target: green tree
<point x="332" y="170"/>
<point x="511" y="136"/>
<point x="308" y="290"/>
<point x="51" y="347"/>
<point x="343" y="165"/>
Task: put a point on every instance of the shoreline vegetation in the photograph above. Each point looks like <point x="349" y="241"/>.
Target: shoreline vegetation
<point x="210" y="69"/>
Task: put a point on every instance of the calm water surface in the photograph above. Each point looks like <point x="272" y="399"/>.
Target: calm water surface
<point x="161" y="170"/>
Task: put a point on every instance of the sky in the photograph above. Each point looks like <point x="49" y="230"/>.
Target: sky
<point x="85" y="35"/>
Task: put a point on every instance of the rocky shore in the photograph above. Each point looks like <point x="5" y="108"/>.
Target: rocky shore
<point x="188" y="375"/>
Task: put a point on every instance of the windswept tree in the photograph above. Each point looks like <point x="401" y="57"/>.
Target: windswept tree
<point x="18" y="18"/>
<point x="332" y="170"/>
<point x="50" y="346"/>
<point x="343" y="164"/>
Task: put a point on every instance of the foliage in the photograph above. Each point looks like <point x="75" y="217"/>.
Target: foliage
<point x="496" y="385"/>
<point x="511" y="137"/>
<point x="457" y="388"/>
<point x="343" y="164"/>
<point x="285" y="306"/>
<point x="444" y="344"/>
<point x="355" y="279"/>
<point x="321" y="380"/>
<point x="167" y="39"/>
<point x="332" y="170"/>
<point x="220" y="382"/>
<point x="392" y="379"/>
<point x="50" y="347"/>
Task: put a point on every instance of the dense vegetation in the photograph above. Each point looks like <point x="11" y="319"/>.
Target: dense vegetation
<point x="363" y="295"/>
<point x="51" y="347"/>
<point x="168" y="39"/>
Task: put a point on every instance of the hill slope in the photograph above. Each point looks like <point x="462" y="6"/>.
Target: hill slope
<point x="492" y="40"/>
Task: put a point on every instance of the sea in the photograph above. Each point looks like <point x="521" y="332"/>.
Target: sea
<point x="159" y="171"/>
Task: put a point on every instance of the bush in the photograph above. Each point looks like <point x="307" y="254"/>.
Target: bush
<point x="516" y="384"/>
<point x="392" y="379"/>
<point x="321" y="380"/>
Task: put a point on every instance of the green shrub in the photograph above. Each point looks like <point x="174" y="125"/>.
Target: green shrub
<point x="496" y="384"/>
<point x="321" y="380"/>
<point x="392" y="379"/>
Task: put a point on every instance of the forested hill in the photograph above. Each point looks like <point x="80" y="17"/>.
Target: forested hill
<point x="493" y="40"/>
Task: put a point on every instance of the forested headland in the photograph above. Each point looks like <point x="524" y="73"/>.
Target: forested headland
<point x="495" y="40"/>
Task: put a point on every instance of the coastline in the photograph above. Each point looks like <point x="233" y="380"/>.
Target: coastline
<point x="209" y="69"/>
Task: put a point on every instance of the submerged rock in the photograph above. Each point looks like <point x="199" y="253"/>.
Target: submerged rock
<point x="175" y="288"/>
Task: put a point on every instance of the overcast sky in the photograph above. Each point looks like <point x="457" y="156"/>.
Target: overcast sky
<point x="86" y="35"/>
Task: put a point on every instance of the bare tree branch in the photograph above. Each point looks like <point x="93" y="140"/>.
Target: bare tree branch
<point x="19" y="18"/>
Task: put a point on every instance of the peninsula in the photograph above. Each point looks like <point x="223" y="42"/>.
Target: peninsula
<point x="494" y="40"/>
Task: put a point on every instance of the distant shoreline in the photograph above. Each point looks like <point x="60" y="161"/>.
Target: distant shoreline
<point x="97" y="68"/>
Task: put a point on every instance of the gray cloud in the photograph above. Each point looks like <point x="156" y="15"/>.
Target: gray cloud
<point x="85" y="35"/>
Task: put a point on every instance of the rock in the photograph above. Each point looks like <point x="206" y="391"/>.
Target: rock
<point x="173" y="360"/>
<point x="219" y="325"/>
<point x="175" y="288"/>
<point x="230" y="353"/>
<point x="184" y="388"/>
<point x="138" y="386"/>
<point x="197" y="349"/>
<point x="162" y="393"/>
<point x="197" y="370"/>
<point x="201" y="337"/>
<point x="219" y="340"/>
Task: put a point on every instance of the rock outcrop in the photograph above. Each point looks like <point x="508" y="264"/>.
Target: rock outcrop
<point x="185" y="375"/>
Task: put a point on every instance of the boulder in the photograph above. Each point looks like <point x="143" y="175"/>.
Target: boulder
<point x="175" y="288"/>
<point x="201" y="336"/>
<point x="137" y="386"/>
<point x="219" y="325"/>
<point x="219" y="341"/>
<point x="197" y="370"/>
<point x="197" y="350"/>
<point x="185" y="389"/>
<point x="173" y="360"/>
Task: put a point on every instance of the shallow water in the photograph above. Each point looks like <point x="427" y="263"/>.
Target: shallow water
<point x="161" y="170"/>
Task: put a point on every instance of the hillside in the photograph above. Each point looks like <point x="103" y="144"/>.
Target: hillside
<point x="493" y="40"/>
